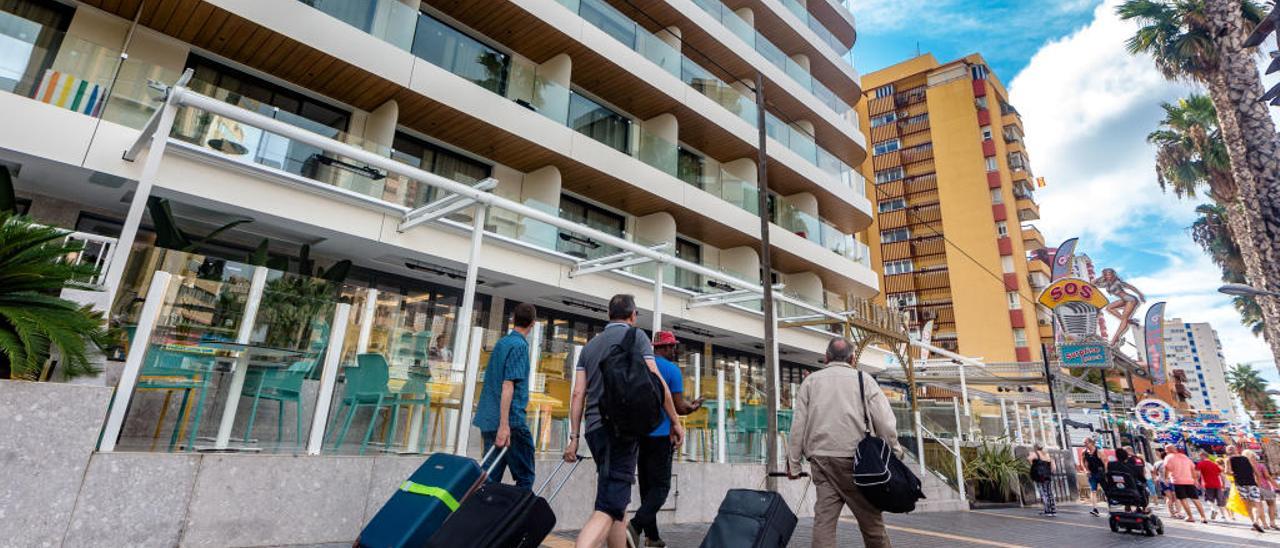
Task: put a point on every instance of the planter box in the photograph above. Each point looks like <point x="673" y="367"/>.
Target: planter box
<point x="47" y="434"/>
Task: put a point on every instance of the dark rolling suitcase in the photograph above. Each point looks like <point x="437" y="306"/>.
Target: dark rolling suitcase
<point x="502" y="516"/>
<point x="751" y="519"/>
<point x="420" y="506"/>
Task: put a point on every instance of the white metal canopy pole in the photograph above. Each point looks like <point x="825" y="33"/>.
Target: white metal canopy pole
<point x="163" y="121"/>
<point x="468" y="391"/>
<point x="1004" y="418"/>
<point x="247" y="323"/>
<point x="328" y="378"/>
<point x="964" y="387"/>
<point x="147" y="321"/>
<point x="720" y="417"/>
<point x="1031" y="423"/>
<point x="657" y="297"/>
<point x="461" y="361"/>
<point x="1017" y="415"/>
<point x="367" y="315"/>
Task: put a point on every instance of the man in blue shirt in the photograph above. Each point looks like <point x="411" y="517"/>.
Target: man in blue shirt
<point x="500" y="415"/>
<point x="656" y="451"/>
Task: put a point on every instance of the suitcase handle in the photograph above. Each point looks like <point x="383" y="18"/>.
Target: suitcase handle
<point x="488" y="471"/>
<point x="564" y="481"/>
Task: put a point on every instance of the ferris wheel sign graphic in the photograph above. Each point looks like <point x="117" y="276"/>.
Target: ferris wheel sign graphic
<point x="1155" y="413"/>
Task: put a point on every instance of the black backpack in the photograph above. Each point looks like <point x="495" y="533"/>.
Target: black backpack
<point x="631" y="405"/>
<point x="885" y="481"/>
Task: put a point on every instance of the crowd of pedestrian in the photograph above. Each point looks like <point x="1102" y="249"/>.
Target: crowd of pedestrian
<point x="1206" y="483"/>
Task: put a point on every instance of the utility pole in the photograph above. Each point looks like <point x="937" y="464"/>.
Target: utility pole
<point x="766" y="275"/>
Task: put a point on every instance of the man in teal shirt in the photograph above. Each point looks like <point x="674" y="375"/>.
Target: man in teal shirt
<point x="500" y="415"/>
<point x="656" y="451"/>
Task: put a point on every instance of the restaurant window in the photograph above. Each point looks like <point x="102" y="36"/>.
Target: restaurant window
<point x="582" y="212"/>
<point x="456" y="52"/>
<point x="598" y="122"/>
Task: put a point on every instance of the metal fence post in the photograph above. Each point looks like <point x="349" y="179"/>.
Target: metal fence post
<point x="147" y="321"/>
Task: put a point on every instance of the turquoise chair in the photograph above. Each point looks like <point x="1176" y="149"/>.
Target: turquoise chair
<point x="365" y="386"/>
<point x="753" y="420"/>
<point x="170" y="370"/>
<point x="412" y="394"/>
<point x="280" y="386"/>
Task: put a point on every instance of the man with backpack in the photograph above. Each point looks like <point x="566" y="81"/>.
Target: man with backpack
<point x="621" y="395"/>
<point x="827" y="425"/>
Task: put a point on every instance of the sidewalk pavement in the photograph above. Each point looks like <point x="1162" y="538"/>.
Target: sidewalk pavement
<point x="1014" y="528"/>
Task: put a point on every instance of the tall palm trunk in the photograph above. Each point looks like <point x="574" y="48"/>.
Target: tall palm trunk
<point x="1250" y="138"/>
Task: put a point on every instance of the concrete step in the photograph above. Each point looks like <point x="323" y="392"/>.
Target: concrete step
<point x="934" y="505"/>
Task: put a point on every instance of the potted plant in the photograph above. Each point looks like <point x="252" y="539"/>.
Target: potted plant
<point x="994" y="473"/>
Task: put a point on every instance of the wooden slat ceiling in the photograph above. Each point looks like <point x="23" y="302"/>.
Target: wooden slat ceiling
<point x="220" y="32"/>
<point x="835" y="22"/>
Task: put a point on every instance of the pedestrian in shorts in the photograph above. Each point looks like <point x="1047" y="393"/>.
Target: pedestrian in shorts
<point x="1246" y="477"/>
<point x="1180" y="471"/>
<point x="1209" y="477"/>
<point x="1267" y="485"/>
<point x="1095" y="469"/>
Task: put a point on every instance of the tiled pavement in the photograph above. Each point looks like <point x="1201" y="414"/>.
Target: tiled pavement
<point x="1073" y="527"/>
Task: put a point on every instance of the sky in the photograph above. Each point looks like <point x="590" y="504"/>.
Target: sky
<point x="1087" y="106"/>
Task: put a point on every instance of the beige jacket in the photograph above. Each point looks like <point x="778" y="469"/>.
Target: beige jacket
<point x="828" y="419"/>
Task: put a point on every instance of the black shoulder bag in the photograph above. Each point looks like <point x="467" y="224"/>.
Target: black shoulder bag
<point x="885" y="481"/>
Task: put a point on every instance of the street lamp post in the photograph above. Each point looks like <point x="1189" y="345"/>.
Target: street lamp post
<point x="1242" y="290"/>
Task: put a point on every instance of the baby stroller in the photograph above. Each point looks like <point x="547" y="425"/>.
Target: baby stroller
<point x="1123" y="490"/>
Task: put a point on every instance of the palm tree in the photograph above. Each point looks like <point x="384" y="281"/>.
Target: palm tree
<point x="1213" y="233"/>
<point x="1189" y="151"/>
<point x="1202" y="41"/>
<point x="34" y="321"/>
<point x="1249" y="385"/>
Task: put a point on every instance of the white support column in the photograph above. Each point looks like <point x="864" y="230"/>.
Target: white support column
<point x="1017" y="415"/>
<point x="535" y="356"/>
<point x="247" y="323"/>
<point x="964" y="388"/>
<point x="959" y="467"/>
<point x="697" y="375"/>
<point x="146" y="180"/>
<point x="658" y="271"/>
<point x="328" y="378"/>
<point x="1004" y="418"/>
<point x="720" y="417"/>
<point x="737" y="386"/>
<point x="574" y="356"/>
<point x="472" y="368"/>
<point x="920" y="442"/>
<point x="367" y="314"/>
<point x="1031" y="423"/>
<point x="147" y="321"/>
<point x="955" y="406"/>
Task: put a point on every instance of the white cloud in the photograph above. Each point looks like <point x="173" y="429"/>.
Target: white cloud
<point x="1087" y="106"/>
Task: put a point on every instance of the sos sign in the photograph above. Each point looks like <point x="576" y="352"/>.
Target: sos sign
<point x="1068" y="290"/>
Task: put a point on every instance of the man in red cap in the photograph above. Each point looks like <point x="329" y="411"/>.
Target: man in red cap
<point x="654" y="467"/>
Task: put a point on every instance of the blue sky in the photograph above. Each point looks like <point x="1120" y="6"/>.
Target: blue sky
<point x="1087" y="106"/>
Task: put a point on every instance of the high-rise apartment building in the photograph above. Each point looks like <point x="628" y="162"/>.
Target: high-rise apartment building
<point x="1194" y="349"/>
<point x="634" y="121"/>
<point x="954" y="193"/>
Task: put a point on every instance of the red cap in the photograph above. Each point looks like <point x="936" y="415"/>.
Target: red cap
<point x="664" y="338"/>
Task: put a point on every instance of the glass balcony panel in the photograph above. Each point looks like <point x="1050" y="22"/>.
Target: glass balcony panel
<point x="599" y="122"/>
<point x="392" y="21"/>
<point x="538" y="94"/>
<point x="445" y="47"/>
<point x="525" y="229"/>
<point x="717" y="90"/>
<point x="53" y="67"/>
<point x="656" y="151"/>
<point x="616" y="24"/>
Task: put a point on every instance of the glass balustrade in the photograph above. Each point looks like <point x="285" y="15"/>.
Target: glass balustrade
<point x="844" y="53"/>
<point x="63" y="70"/>
<point x="804" y="145"/>
<point x="526" y="229"/>
<point x="529" y="89"/>
<point x="772" y="53"/>
<point x="717" y="90"/>
<point x="616" y="24"/>
<point x="392" y="21"/>
<point x="655" y="150"/>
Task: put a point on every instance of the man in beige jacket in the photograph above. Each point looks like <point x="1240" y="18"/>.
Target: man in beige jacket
<point x="826" y="429"/>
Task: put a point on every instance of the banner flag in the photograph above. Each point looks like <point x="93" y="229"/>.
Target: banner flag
<point x="1062" y="259"/>
<point x="1153" y="336"/>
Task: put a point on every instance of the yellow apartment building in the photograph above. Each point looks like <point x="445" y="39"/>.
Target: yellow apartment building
<point x="953" y="191"/>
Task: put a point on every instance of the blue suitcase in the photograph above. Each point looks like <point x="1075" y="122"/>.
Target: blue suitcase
<point x="422" y="503"/>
